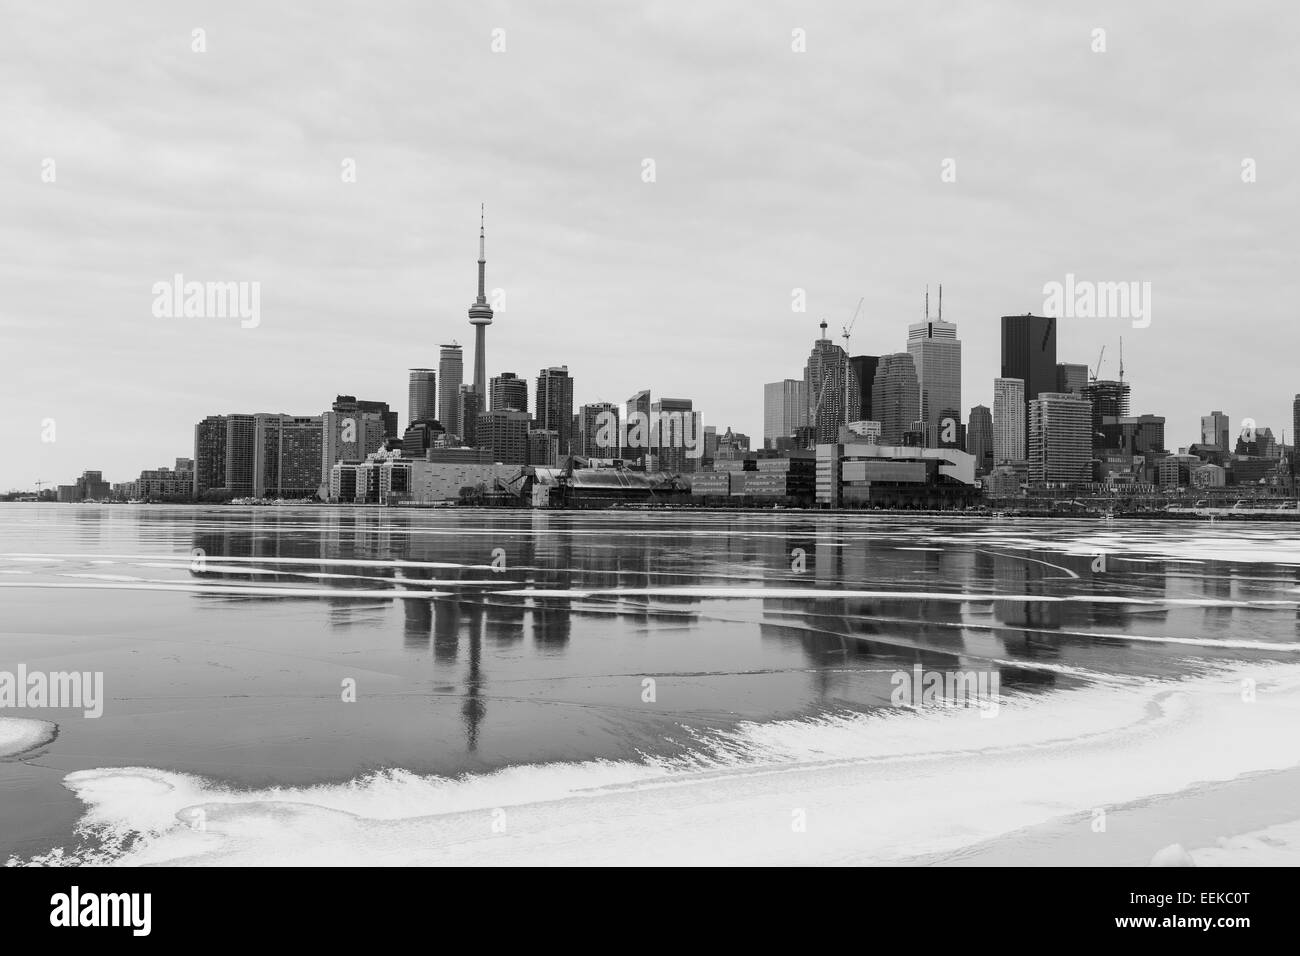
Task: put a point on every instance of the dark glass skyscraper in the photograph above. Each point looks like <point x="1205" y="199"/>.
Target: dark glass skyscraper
<point x="864" y="370"/>
<point x="1029" y="354"/>
<point x="979" y="438"/>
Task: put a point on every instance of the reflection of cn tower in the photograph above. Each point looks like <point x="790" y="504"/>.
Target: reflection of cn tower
<point x="480" y="316"/>
<point x="451" y="617"/>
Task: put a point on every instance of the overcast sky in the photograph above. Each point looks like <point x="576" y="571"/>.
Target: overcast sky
<point x="774" y="170"/>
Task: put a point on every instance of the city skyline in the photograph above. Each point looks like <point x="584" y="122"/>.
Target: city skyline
<point x="602" y="270"/>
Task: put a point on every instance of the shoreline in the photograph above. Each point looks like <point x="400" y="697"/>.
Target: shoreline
<point x="1208" y="821"/>
<point x="1159" y="515"/>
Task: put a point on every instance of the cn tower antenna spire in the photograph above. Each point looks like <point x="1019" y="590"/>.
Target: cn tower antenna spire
<point x="482" y="254"/>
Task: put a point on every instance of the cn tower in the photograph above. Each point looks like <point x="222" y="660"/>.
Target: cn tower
<point x="480" y="316"/>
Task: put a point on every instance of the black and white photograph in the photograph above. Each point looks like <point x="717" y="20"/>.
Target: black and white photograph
<point x="650" y="434"/>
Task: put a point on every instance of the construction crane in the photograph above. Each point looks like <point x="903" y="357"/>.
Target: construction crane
<point x="1097" y="371"/>
<point x="1121" y="358"/>
<point x="846" y="330"/>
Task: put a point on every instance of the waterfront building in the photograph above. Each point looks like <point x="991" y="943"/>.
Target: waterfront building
<point x="1060" y="439"/>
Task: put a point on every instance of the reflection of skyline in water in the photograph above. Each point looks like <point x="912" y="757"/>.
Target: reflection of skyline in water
<point x="849" y="645"/>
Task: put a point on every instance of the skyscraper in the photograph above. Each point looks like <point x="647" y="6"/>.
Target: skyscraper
<point x="936" y="352"/>
<point x="979" y="439"/>
<point x="1214" y="429"/>
<point x="349" y="405"/>
<point x="785" y="408"/>
<point x="554" y="407"/>
<point x="209" y="455"/>
<point x="480" y="316"/>
<point x="895" y="397"/>
<point x="1295" y="433"/>
<point x="1060" y="443"/>
<point x="287" y="452"/>
<point x="864" y="370"/>
<point x="598" y="431"/>
<point x="677" y="435"/>
<point x="509" y="391"/>
<point x="421" y="396"/>
<point x="469" y="404"/>
<point x="349" y="435"/>
<point x="451" y="371"/>
<point x="1008" y="420"/>
<point x="1029" y="354"/>
<point x="241" y="437"/>
<point x="1110" y="402"/>
<point x="823" y="377"/>
<point x="637" y="427"/>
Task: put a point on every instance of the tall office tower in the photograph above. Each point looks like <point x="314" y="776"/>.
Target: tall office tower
<point x="287" y="454"/>
<point x="1029" y="354"/>
<point x="678" y="435"/>
<point x="979" y="438"/>
<point x="638" y="427"/>
<point x="864" y="371"/>
<point x="209" y="455"/>
<point x="936" y="352"/>
<point x="598" y="431"/>
<point x="1071" y="377"/>
<point x="1214" y="429"/>
<point x="241" y="437"/>
<point x="785" y="408"/>
<point x="469" y="404"/>
<point x="509" y="391"/>
<point x="1008" y="420"/>
<point x="480" y="316"/>
<point x="543" y="447"/>
<point x="554" y="409"/>
<point x="1110" y="403"/>
<point x="1060" y="438"/>
<point x="895" y="397"/>
<point x="451" y="370"/>
<point x="824" y="377"/>
<point x="1295" y="433"/>
<point x="422" y="396"/>
<point x="504" y="433"/>
<point x="348" y="405"/>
